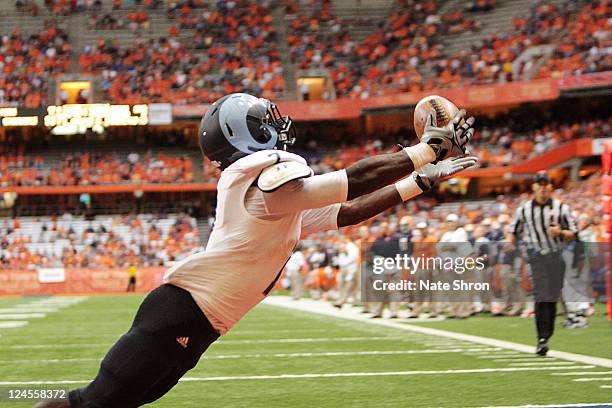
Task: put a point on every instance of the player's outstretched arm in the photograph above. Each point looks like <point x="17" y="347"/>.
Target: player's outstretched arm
<point x="372" y="173"/>
<point x="364" y="207"/>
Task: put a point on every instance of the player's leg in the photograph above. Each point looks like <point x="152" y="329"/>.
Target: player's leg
<point x="167" y="338"/>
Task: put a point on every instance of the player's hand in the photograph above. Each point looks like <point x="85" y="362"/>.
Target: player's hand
<point x="450" y="140"/>
<point x="554" y="230"/>
<point x="429" y="174"/>
<point x="448" y="167"/>
<point x="463" y="132"/>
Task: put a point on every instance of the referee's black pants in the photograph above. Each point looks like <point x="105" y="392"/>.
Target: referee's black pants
<point x="167" y="339"/>
<point x="547" y="272"/>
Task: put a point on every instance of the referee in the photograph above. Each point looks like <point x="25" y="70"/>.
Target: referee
<point x="544" y="226"/>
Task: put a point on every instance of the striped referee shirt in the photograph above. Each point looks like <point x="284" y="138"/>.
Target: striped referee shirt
<point x="532" y="220"/>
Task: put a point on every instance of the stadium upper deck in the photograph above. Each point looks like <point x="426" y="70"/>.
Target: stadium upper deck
<point x="195" y="51"/>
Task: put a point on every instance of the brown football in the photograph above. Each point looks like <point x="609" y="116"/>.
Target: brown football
<point x="440" y="106"/>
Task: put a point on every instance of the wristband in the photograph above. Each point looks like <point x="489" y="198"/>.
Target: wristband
<point x="420" y="154"/>
<point x="424" y="183"/>
<point x="408" y="188"/>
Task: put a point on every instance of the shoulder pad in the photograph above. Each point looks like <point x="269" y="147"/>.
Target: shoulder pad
<point x="276" y="175"/>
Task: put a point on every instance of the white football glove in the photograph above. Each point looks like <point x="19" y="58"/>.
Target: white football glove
<point x="429" y="174"/>
<point x="450" y="140"/>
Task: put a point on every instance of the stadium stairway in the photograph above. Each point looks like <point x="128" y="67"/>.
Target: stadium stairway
<point x="362" y="16"/>
<point x="12" y="19"/>
<point x="158" y="27"/>
<point x="280" y="22"/>
<point x="497" y="20"/>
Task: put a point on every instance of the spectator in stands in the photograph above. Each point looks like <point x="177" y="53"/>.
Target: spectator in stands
<point x="27" y="62"/>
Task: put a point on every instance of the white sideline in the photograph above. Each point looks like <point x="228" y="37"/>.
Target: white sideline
<point x="314" y="375"/>
<point x="313" y="306"/>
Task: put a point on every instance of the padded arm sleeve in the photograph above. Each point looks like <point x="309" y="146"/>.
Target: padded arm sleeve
<point x="312" y="192"/>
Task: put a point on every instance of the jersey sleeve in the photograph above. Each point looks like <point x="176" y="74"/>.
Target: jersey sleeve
<point x="308" y="193"/>
<point x="320" y="219"/>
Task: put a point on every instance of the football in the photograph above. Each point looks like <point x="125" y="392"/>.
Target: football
<point x="440" y="106"/>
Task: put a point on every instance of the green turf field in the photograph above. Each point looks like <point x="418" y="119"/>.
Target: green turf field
<point x="298" y="359"/>
<point x="594" y="341"/>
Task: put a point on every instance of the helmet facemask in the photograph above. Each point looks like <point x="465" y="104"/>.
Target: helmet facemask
<point x="273" y="121"/>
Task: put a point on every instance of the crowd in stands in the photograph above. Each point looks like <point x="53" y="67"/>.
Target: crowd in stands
<point x="501" y="146"/>
<point x="94" y="169"/>
<point x="113" y="242"/>
<point x="324" y="267"/>
<point x="495" y="146"/>
<point x="233" y="49"/>
<point x="407" y="53"/>
<point x="68" y="7"/>
<point x="136" y="21"/>
<point x="233" y="46"/>
<point x="29" y="60"/>
<point x="480" y="5"/>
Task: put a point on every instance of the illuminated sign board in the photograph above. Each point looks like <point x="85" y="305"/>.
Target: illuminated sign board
<point x="78" y="118"/>
<point x="12" y="117"/>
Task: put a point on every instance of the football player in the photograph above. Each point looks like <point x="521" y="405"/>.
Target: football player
<point x="266" y="198"/>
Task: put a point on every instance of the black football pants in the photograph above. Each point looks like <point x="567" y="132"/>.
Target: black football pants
<point x="167" y="339"/>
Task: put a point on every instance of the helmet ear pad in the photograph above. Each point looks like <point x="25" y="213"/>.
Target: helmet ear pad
<point x="268" y="132"/>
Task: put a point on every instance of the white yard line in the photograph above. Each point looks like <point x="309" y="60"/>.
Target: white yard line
<point x="585" y="373"/>
<point x="576" y="405"/>
<point x="50" y="360"/>
<point x="12" y="325"/>
<point x="262" y="355"/>
<point x="592" y="379"/>
<point x="227" y="342"/>
<point x="543" y="363"/>
<point x="606" y="386"/>
<point x="312" y="375"/>
<point x="311" y="340"/>
<point x="17" y="316"/>
<point x="521" y="360"/>
<point x="312" y="306"/>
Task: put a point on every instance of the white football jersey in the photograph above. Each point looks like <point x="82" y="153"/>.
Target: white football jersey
<point x="245" y="254"/>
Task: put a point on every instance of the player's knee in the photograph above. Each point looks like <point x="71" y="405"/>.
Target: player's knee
<point x="131" y="364"/>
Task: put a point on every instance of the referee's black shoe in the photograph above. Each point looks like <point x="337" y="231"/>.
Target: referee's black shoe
<point x="542" y="348"/>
